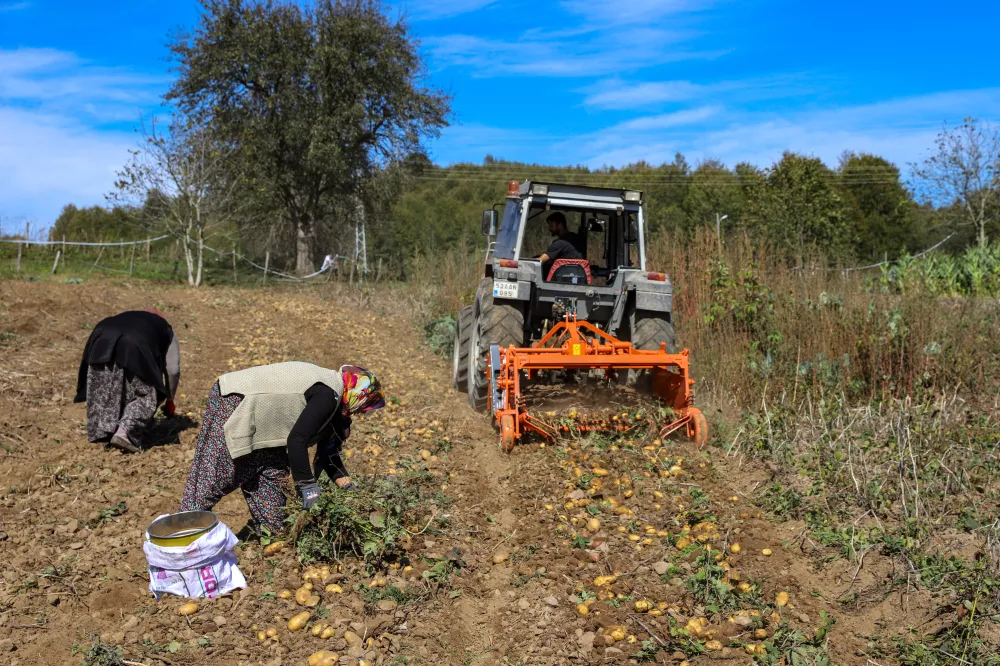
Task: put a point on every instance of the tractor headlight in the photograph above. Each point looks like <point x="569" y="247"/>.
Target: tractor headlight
<point x="633" y="196"/>
<point x="539" y="190"/>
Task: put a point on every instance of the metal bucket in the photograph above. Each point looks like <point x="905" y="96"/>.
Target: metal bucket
<point x="181" y="529"/>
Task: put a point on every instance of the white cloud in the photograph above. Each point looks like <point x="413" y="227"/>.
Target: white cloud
<point x="616" y="94"/>
<point x="901" y="130"/>
<point x="432" y="10"/>
<point x="590" y="39"/>
<point x="620" y="12"/>
<point x="64" y="128"/>
<point x="48" y="161"/>
<point x="666" y="120"/>
<point x="545" y="55"/>
<point x="49" y="75"/>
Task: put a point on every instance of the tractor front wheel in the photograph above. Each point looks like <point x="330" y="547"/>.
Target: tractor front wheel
<point x="460" y="355"/>
<point x="647" y="332"/>
<point x="495" y="324"/>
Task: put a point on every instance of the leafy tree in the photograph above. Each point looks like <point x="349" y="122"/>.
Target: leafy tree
<point x="797" y="205"/>
<point x="880" y="208"/>
<point x="94" y="224"/>
<point x="964" y="170"/>
<point x="316" y="98"/>
<point x="180" y="178"/>
<point x="713" y="190"/>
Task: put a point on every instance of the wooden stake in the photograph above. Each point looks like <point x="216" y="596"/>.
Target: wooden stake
<point x="147" y="250"/>
<point x="55" y="264"/>
<point x="96" y="261"/>
<point x="17" y="265"/>
<point x="378" y="273"/>
<point x="267" y="264"/>
<point x="235" y="277"/>
<point x="131" y="261"/>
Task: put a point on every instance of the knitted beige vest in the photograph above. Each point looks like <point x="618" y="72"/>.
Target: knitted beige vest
<point x="273" y="399"/>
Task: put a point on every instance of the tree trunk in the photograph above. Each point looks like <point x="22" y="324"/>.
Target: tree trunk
<point x="201" y="256"/>
<point x="304" y="240"/>
<point x="982" y="233"/>
<point x="189" y="256"/>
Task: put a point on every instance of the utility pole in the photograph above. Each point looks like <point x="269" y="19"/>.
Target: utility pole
<point x="360" y="243"/>
<point x="718" y="230"/>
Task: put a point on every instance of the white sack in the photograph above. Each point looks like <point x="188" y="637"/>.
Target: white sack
<point x="205" y="568"/>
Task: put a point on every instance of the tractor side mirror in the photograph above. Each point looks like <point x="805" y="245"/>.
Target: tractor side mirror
<point x="489" y="222"/>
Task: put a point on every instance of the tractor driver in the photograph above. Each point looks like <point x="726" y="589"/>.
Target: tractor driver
<point x="565" y="246"/>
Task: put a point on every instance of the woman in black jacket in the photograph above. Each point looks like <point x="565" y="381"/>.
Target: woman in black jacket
<point x="130" y="365"/>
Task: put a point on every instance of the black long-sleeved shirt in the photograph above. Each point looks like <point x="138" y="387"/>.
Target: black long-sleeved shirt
<point x="324" y="422"/>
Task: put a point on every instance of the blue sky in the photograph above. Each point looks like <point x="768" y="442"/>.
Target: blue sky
<point x="559" y="82"/>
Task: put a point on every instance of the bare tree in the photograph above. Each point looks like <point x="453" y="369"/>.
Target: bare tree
<point x="180" y="176"/>
<point x="964" y="170"/>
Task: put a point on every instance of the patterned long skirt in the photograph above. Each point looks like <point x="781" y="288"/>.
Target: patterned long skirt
<point x="116" y="398"/>
<point x="259" y="474"/>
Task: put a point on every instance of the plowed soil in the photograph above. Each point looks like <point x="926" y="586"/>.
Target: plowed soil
<point x="72" y="514"/>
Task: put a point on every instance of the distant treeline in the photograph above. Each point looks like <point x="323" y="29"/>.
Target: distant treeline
<point x="859" y="211"/>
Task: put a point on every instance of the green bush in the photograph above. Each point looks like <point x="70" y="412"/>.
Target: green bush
<point x="440" y="335"/>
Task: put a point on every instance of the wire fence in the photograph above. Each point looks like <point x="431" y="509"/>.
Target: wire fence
<point x="158" y="257"/>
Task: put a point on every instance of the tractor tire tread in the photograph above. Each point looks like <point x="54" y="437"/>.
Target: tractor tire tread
<point x="500" y="324"/>
<point x="651" y="331"/>
<point x="463" y="332"/>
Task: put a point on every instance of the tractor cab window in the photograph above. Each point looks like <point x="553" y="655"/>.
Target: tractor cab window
<point x="632" y="239"/>
<point x="596" y="227"/>
<point x="538" y="238"/>
<point x="507" y="234"/>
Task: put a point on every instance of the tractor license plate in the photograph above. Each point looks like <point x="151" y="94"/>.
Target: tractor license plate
<point x="505" y="290"/>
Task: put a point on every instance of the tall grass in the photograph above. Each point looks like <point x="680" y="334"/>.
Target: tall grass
<point x="766" y="329"/>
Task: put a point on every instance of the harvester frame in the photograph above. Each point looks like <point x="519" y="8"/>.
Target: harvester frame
<point x="576" y="345"/>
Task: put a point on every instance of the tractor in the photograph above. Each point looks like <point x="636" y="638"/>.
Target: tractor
<point x="604" y="311"/>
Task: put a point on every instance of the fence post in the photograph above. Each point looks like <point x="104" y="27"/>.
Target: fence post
<point x="147" y="250"/>
<point x="27" y="234"/>
<point x="55" y="264"/>
<point x="99" y="255"/>
<point x="131" y="261"/>
<point x="236" y="279"/>
<point x="17" y="265"/>
<point x="267" y="264"/>
<point x="378" y="273"/>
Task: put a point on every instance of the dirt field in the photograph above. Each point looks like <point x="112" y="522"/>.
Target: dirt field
<point x="72" y="516"/>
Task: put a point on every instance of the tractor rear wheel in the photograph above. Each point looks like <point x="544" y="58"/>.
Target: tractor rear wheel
<point x="650" y="330"/>
<point x="460" y="355"/>
<point x="495" y="324"/>
<point x="647" y="332"/>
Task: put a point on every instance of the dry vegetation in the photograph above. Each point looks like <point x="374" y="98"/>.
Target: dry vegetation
<point x="844" y="511"/>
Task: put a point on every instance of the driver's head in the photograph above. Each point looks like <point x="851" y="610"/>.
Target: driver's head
<point x="557" y="223"/>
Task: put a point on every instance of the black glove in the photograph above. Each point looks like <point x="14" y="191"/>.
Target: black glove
<point x="310" y="493"/>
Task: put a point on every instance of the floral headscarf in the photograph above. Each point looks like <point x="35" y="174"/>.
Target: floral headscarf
<point x="362" y="391"/>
